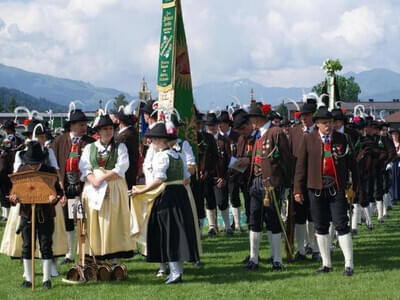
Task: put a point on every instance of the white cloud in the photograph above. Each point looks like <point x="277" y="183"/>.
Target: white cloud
<point x="279" y="42"/>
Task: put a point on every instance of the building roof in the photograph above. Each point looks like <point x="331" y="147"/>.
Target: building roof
<point x="393" y="118"/>
<point x="374" y="105"/>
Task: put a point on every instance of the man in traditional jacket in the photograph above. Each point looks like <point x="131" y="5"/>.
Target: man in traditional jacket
<point x="304" y="225"/>
<point x="68" y="149"/>
<point x="270" y="173"/>
<point x="226" y="130"/>
<point x="323" y="164"/>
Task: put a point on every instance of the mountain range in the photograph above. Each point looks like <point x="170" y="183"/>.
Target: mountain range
<point x="379" y="84"/>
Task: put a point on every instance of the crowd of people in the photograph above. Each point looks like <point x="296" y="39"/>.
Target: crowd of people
<point x="333" y="170"/>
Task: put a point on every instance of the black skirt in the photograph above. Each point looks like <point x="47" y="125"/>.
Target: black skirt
<point x="171" y="235"/>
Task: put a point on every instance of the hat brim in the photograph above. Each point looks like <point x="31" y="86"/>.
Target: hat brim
<point x="160" y="136"/>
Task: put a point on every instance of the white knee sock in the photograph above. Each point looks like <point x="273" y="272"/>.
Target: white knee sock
<point x="225" y="218"/>
<point x="277" y="246"/>
<point x="324" y="248"/>
<point x="163" y="267"/>
<point x="386" y="200"/>
<point x="332" y="232"/>
<point x="28" y="269"/>
<point x="379" y="207"/>
<point x="311" y="236"/>
<point x="300" y="234"/>
<point x="180" y="267"/>
<point x="236" y="216"/>
<point x="271" y="251"/>
<point x="354" y="218"/>
<point x="346" y="244"/>
<point x="211" y="213"/>
<point x="54" y="271"/>
<point x="174" y="270"/>
<point x="46" y="269"/>
<point x="255" y="239"/>
<point x="367" y="215"/>
<point x="70" y="240"/>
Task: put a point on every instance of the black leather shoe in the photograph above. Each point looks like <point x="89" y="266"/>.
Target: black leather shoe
<point x="229" y="232"/>
<point x="211" y="232"/>
<point x="47" y="285"/>
<point x="250" y="266"/>
<point x="370" y="227"/>
<point x="315" y="257"/>
<point x="277" y="266"/>
<point x="176" y="280"/>
<point x="348" y="271"/>
<point x="198" y="264"/>
<point x="299" y="257"/>
<point x="66" y="261"/>
<point x="308" y="249"/>
<point x="247" y="259"/>
<point x="26" y="284"/>
<point x="323" y="269"/>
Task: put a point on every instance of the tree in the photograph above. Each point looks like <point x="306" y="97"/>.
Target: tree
<point x="120" y="101"/>
<point x="12" y="104"/>
<point x="348" y="88"/>
<point x="282" y="110"/>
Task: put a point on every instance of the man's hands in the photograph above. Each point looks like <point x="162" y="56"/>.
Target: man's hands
<point x="299" y="198"/>
<point x="13" y="199"/>
<point x="220" y="183"/>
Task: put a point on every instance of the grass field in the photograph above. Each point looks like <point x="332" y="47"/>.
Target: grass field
<point x="377" y="274"/>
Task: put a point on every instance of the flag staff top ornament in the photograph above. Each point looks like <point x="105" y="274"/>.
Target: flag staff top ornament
<point x="330" y="66"/>
<point x="174" y="82"/>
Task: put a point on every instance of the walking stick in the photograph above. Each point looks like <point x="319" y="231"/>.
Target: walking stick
<point x="33" y="239"/>
<point x="271" y="191"/>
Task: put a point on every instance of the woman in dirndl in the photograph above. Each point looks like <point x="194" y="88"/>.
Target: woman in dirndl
<point x="108" y="229"/>
<point x="171" y="233"/>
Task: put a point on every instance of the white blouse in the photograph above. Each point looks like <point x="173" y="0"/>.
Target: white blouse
<point x="186" y="151"/>
<point x="161" y="163"/>
<point x="147" y="165"/>
<point x="121" y="165"/>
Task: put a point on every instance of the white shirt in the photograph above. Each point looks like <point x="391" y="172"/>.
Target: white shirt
<point x="52" y="159"/>
<point x="341" y="129"/>
<point x="265" y="127"/>
<point x="123" y="129"/>
<point x="73" y="136"/>
<point x="228" y="133"/>
<point x="187" y="152"/>
<point x="147" y="164"/>
<point x="322" y="136"/>
<point x="309" y="129"/>
<point x="120" y="168"/>
<point x="161" y="163"/>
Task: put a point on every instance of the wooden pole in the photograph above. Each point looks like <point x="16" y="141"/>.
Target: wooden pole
<point x="33" y="240"/>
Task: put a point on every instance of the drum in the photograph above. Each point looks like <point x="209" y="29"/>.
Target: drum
<point x="76" y="273"/>
<point x="119" y="272"/>
<point x="104" y="272"/>
<point x="90" y="272"/>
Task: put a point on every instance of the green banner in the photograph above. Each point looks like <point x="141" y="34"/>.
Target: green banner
<point x="167" y="47"/>
<point x="174" y="76"/>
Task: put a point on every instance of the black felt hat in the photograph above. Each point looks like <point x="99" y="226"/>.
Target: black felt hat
<point x="9" y="124"/>
<point x="322" y="113"/>
<point x="309" y="107"/>
<point x="274" y="115"/>
<point x="160" y="131"/>
<point x="148" y="107"/>
<point x="211" y="119"/>
<point x="337" y="114"/>
<point x="75" y="116"/>
<point x="199" y="117"/>
<point x="129" y="120"/>
<point x="33" y="154"/>
<point x="240" y="117"/>
<point x="256" y="111"/>
<point x="104" y="121"/>
<point x="224" y="117"/>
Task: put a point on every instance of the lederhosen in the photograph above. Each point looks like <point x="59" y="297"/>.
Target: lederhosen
<point x="5" y="169"/>
<point x="72" y="183"/>
<point x="260" y="214"/>
<point x="221" y="194"/>
<point x="234" y="176"/>
<point x="329" y="204"/>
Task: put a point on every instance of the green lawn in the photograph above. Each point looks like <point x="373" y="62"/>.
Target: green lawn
<point x="377" y="274"/>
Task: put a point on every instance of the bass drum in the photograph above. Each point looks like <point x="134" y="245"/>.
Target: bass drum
<point x="104" y="272"/>
<point x="119" y="272"/>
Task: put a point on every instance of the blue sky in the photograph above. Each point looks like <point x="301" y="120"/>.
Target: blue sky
<point x="114" y="43"/>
